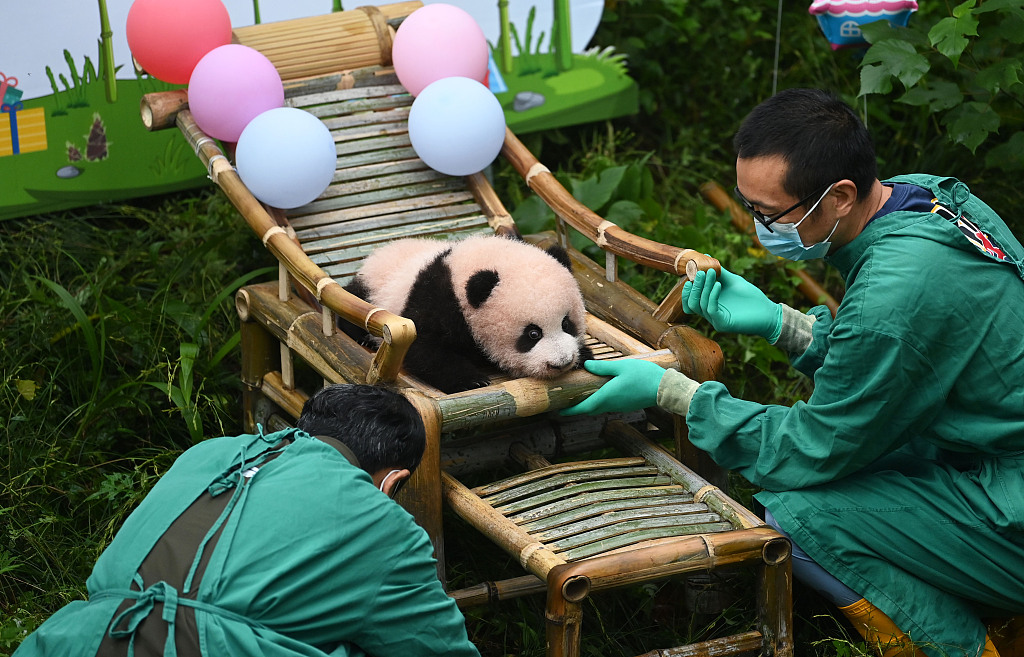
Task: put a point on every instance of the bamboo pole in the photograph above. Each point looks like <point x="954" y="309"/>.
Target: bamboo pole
<point x="490" y="592"/>
<point x="741" y="221"/>
<point x="258" y="358"/>
<point x="521" y="398"/>
<point x="737" y="644"/>
<point x="775" y="605"/>
<point x="497" y="216"/>
<point x="422" y="496"/>
<point x="600" y="231"/>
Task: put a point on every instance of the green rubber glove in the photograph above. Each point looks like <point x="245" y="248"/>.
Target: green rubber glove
<point x="732" y="304"/>
<point x="634" y="385"/>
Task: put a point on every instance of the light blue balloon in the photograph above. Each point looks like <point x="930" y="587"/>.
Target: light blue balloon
<point x="286" y="157"/>
<point x="456" y="126"/>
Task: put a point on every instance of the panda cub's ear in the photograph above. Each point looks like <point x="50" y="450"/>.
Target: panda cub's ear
<point x="480" y="285"/>
<point x="561" y="255"/>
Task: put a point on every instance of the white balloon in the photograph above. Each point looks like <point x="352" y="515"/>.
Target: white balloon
<point x="456" y="126"/>
<point x="286" y="157"/>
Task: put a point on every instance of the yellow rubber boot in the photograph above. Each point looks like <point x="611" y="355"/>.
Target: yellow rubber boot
<point x="990" y="648"/>
<point x="879" y="630"/>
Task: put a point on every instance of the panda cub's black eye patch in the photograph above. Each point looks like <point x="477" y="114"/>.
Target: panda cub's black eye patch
<point x="568" y="326"/>
<point x="530" y="336"/>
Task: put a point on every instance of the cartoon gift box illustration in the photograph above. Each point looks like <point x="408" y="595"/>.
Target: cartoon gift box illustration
<point x="21" y="130"/>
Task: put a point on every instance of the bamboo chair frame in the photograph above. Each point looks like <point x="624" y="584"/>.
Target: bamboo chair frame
<point x="278" y="326"/>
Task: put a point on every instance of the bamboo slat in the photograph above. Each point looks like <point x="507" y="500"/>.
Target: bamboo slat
<point x="742" y="222"/>
<point x="569" y="474"/>
<point x="395" y="208"/>
<point x="560" y="468"/>
<point x="658" y="504"/>
<point x="624" y="521"/>
<point x="641" y="531"/>
<point x="580" y="505"/>
<point x="583" y="487"/>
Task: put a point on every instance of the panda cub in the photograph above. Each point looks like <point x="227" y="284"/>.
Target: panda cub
<point x="483" y="301"/>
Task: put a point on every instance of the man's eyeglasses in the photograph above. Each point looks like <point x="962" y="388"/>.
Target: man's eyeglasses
<point x="768" y="220"/>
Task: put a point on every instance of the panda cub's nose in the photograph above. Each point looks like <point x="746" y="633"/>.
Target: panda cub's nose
<point x="560" y="366"/>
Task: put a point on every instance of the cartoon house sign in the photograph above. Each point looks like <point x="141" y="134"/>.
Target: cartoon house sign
<point x="70" y="133"/>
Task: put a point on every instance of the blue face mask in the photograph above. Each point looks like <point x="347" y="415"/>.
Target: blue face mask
<point x="784" y="239"/>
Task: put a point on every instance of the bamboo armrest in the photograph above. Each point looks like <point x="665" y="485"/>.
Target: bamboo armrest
<point x="396" y="332"/>
<point x="607" y="235"/>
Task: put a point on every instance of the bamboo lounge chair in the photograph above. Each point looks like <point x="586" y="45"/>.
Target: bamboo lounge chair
<point x="576" y="526"/>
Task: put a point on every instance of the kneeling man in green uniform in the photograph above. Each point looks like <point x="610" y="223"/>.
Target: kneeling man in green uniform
<point x="277" y="544"/>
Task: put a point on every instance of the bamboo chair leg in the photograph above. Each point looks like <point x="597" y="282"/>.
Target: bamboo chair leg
<point x="564" y="613"/>
<point x="775" y="603"/>
<point x="259" y="351"/>
<point x="422" y="495"/>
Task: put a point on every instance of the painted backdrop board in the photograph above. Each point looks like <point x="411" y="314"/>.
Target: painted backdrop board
<point x="67" y="138"/>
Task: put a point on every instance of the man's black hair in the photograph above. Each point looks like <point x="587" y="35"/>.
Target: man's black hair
<point x="381" y="427"/>
<point x="818" y="135"/>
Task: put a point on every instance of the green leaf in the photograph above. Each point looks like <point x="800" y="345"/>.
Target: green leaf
<point x="897" y="59"/>
<point x="596" y="191"/>
<point x="970" y="124"/>
<point x="939" y="96"/>
<point x="874" y="80"/>
<point x="1001" y="75"/>
<point x="533" y="215"/>
<point x="1008" y="156"/>
<point x="949" y="35"/>
<point x="624" y="214"/>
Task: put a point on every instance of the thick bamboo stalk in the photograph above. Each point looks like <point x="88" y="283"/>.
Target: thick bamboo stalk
<point x="521" y="398"/>
<point x="600" y="231"/>
<point x="318" y="45"/>
<point x="688" y="554"/>
<point x="160" y="109"/>
<point x="741" y="221"/>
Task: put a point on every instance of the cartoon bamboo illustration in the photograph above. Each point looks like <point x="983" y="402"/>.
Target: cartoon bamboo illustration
<point x="561" y="35"/>
<point x="504" y="40"/>
<point x="107" y="54"/>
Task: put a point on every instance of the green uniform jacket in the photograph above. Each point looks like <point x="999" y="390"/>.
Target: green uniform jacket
<point x="311" y="559"/>
<point x="903" y="473"/>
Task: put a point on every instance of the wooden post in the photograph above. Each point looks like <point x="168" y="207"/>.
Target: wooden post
<point x="775" y="599"/>
<point x="564" y="611"/>
<point x="258" y="358"/>
<point x="422" y="495"/>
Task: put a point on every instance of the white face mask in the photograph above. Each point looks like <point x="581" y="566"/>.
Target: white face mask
<point x="784" y="239"/>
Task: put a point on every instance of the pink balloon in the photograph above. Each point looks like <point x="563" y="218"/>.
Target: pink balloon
<point x="438" y="41"/>
<point x="231" y="86"/>
<point x="167" y="39"/>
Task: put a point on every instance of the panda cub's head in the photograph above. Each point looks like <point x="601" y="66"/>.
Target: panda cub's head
<point x="522" y="305"/>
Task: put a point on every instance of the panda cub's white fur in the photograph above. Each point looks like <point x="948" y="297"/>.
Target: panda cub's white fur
<point x="483" y="300"/>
